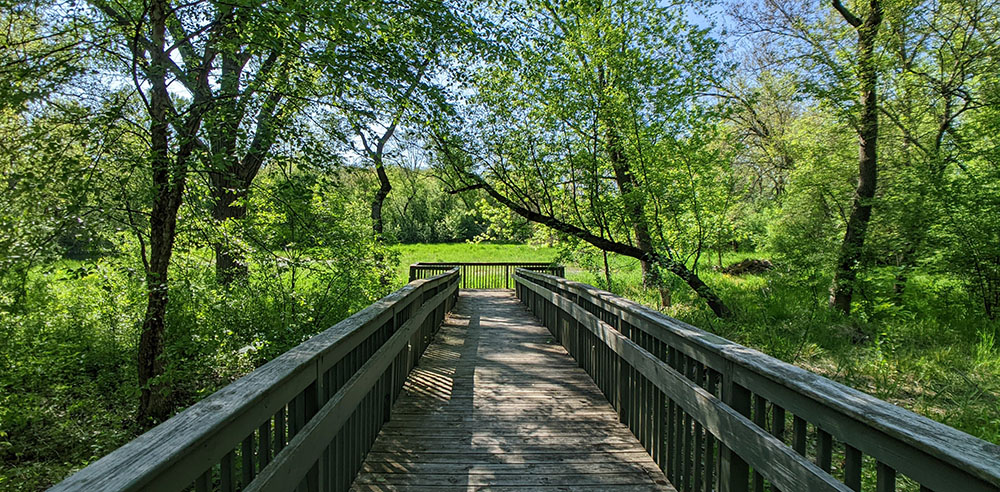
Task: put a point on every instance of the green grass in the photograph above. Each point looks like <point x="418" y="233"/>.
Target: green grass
<point x="67" y="390"/>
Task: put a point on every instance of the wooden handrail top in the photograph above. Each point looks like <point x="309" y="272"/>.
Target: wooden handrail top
<point x="176" y="452"/>
<point x="959" y="449"/>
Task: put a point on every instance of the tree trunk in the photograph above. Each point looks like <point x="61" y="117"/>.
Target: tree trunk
<point x="634" y="204"/>
<point x="675" y="267"/>
<point x="225" y="164"/>
<point x="383" y="191"/>
<point x="842" y="288"/>
<point x="232" y="175"/>
<point x="377" y="222"/>
<point x="169" y="177"/>
<point x="168" y="183"/>
<point x="607" y="270"/>
<point x="230" y="264"/>
<point x="627" y="184"/>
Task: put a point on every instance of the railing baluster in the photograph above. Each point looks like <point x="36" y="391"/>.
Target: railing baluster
<point x="264" y="444"/>
<point x="824" y="450"/>
<point x="759" y="418"/>
<point x="660" y="415"/>
<point x="671" y="468"/>
<point x="687" y="370"/>
<point x="710" y="444"/>
<point x="852" y="468"/>
<point x="246" y="454"/>
<point x="799" y="435"/>
<point x="777" y="427"/>
<point x="699" y="376"/>
<point x="279" y="429"/>
<point x="735" y="471"/>
<point x="204" y="482"/>
<point x="226" y="473"/>
<point x="885" y="478"/>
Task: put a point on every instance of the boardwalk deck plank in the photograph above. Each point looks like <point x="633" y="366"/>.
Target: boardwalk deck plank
<point x="497" y="405"/>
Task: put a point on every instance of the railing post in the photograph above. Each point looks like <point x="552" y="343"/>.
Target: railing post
<point x="735" y="473"/>
<point x="413" y="273"/>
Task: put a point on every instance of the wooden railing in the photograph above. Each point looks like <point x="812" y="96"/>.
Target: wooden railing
<point x="484" y="275"/>
<point x="715" y="415"/>
<point x="304" y="421"/>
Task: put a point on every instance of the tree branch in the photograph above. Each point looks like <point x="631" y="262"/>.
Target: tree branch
<point x="847" y="14"/>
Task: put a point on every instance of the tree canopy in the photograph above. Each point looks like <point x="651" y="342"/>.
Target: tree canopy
<point x="191" y="188"/>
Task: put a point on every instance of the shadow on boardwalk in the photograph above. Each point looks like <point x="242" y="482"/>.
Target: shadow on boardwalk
<point x="496" y="404"/>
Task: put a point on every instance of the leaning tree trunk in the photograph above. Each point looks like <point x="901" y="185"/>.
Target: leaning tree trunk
<point x="634" y="204"/>
<point x="627" y="184"/>
<point x="849" y="257"/>
<point x="675" y="267"/>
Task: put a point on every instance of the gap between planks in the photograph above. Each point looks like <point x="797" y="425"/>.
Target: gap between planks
<point x="496" y="404"/>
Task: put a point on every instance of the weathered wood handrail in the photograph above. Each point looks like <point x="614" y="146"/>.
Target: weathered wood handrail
<point x="713" y="414"/>
<point x="304" y="420"/>
<point x="496" y="275"/>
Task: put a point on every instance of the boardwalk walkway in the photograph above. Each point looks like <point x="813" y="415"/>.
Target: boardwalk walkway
<point x="496" y="404"/>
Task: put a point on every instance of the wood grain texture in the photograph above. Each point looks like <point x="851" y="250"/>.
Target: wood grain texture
<point x="932" y="453"/>
<point x="727" y="421"/>
<point x="496" y="404"/>
<point x="179" y="451"/>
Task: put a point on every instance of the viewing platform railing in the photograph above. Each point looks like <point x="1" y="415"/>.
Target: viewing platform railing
<point x="304" y="421"/>
<point x="484" y="275"/>
<point x="715" y="415"/>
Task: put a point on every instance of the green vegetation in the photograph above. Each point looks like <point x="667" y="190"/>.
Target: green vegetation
<point x="935" y="354"/>
<point x="188" y="189"/>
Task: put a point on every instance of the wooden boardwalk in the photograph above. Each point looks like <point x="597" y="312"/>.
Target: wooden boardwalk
<point x="496" y="404"/>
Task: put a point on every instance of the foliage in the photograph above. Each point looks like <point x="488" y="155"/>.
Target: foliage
<point x="935" y="355"/>
<point x="421" y="211"/>
<point x="633" y="124"/>
<point x="68" y="351"/>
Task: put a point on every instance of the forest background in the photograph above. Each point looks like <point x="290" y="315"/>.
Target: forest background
<point x="189" y="189"/>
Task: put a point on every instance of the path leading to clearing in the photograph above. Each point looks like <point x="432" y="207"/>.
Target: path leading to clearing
<point x="496" y="404"/>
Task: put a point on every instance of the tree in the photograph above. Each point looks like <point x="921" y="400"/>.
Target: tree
<point x="173" y="146"/>
<point x="586" y="124"/>
<point x="260" y="73"/>
<point x="939" y="53"/>
<point x="408" y="49"/>
<point x="845" y="273"/>
<point x="844" y="78"/>
<point x="374" y="145"/>
<point x="44" y="171"/>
